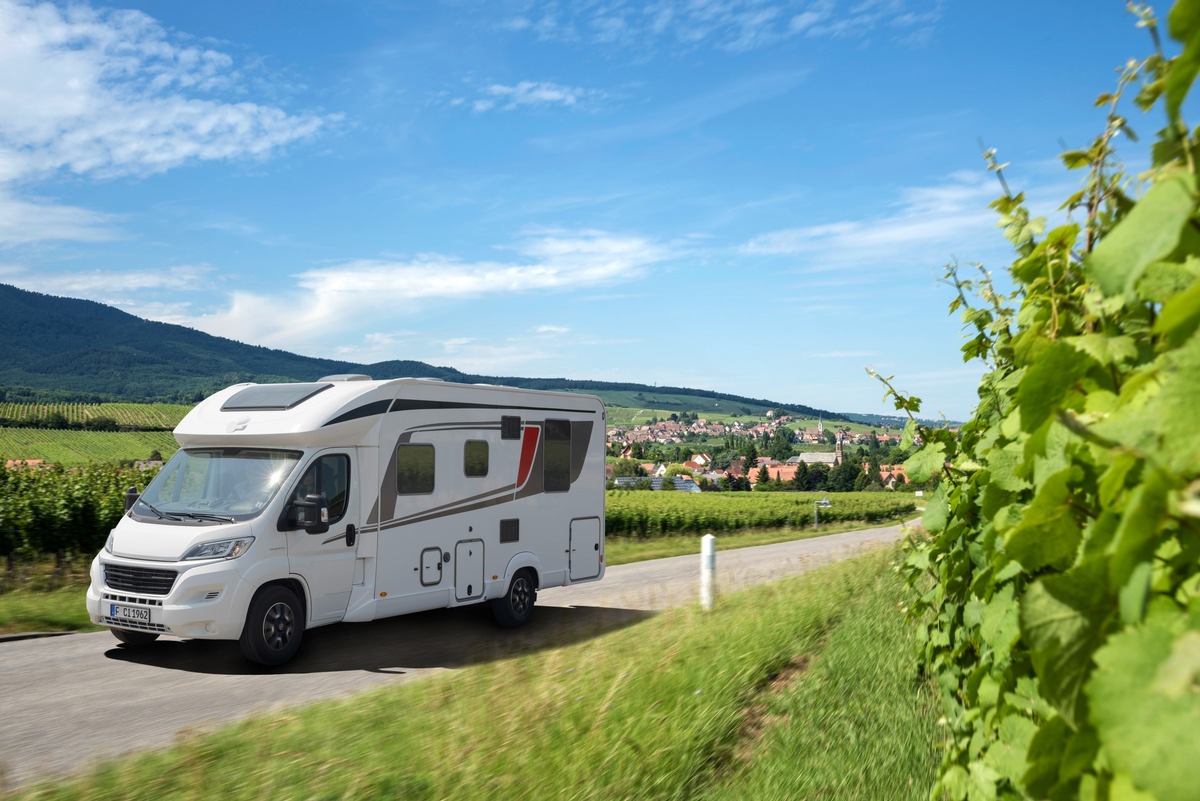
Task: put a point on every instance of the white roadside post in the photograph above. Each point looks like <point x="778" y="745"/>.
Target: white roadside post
<point x="708" y="570"/>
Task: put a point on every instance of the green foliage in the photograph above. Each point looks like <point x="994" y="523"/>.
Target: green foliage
<point x="1058" y="590"/>
<point x="66" y="511"/>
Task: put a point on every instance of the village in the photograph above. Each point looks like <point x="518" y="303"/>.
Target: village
<point x="698" y="468"/>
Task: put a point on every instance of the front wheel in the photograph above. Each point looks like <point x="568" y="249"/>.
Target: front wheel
<point x="274" y="626"/>
<point x="134" y="638"/>
<point x="515" y="607"/>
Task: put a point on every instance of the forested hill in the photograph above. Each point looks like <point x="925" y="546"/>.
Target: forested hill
<point x="66" y="349"/>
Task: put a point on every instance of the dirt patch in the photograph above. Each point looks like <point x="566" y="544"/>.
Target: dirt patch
<point x="757" y="718"/>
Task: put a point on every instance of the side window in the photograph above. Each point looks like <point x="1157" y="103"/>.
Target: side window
<point x="557" y="475"/>
<point x="475" y="458"/>
<point x="414" y="469"/>
<point x="330" y="475"/>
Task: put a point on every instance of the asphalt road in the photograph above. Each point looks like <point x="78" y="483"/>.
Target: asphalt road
<point x="70" y="700"/>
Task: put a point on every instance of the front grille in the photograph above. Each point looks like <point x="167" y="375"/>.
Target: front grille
<point x="146" y="580"/>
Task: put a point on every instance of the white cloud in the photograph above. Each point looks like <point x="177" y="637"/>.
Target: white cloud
<point x="554" y="330"/>
<point x="330" y="298"/>
<point x="106" y="285"/>
<point x="104" y="93"/>
<point x="532" y="93"/>
<point x="931" y="225"/>
<point x="732" y="25"/>
<point x="37" y="220"/>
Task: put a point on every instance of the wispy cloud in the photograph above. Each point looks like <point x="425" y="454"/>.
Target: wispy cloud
<point x="531" y="94"/>
<point x="730" y="25"/>
<point x="549" y="260"/>
<point x="109" y="287"/>
<point x="105" y="93"/>
<point x="930" y="224"/>
<point x="31" y="219"/>
<point x="688" y="113"/>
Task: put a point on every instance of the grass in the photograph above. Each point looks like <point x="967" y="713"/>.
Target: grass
<point x="802" y="688"/>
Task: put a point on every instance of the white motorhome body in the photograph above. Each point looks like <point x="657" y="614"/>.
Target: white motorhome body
<point x="290" y="506"/>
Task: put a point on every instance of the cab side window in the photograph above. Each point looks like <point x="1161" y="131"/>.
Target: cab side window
<point x="329" y="474"/>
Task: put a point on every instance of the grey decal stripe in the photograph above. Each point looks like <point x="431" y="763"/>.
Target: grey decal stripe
<point x="367" y="410"/>
<point x="405" y="405"/>
<point x="455" y="504"/>
<point x="422" y="517"/>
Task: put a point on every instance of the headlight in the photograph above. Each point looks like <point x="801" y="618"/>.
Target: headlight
<point x="221" y="549"/>
<point x="108" y="544"/>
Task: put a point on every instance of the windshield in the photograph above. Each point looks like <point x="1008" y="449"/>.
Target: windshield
<point x="216" y="484"/>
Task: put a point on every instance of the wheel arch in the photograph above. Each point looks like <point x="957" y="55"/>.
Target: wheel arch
<point x="294" y="584"/>
<point x="522" y="561"/>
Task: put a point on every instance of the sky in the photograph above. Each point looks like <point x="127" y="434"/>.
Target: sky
<point x="756" y="197"/>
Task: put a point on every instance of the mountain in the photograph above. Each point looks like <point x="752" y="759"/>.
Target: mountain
<point x="67" y="349"/>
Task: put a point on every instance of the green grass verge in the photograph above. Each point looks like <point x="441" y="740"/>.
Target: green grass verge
<point x="683" y="705"/>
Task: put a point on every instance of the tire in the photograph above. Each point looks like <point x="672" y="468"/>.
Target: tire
<point x="134" y="638"/>
<point x="515" y="607"/>
<point x="274" y="626"/>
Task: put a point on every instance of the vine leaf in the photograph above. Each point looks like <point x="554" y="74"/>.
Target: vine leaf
<point x="1048" y="533"/>
<point x="1184" y="24"/>
<point x="1150" y="232"/>
<point x="1055" y="370"/>
<point x="1144" y="703"/>
<point x="1063" y="618"/>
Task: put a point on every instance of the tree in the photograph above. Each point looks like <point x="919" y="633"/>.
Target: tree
<point x="843" y="477"/>
<point x="627" y="468"/>
<point x="818" y="477"/>
<point x="781" y="444"/>
<point x="764" y="475"/>
<point x="800" y="479"/>
<point x="750" y="452"/>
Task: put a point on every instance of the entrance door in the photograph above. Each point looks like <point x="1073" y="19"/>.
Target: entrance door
<point x="585" y="548"/>
<point x="325" y="561"/>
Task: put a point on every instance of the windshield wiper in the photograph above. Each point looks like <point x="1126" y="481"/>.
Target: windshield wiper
<point x="161" y="515"/>
<point x="207" y="516"/>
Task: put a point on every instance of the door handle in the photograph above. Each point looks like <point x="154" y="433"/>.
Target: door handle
<point x="351" y="536"/>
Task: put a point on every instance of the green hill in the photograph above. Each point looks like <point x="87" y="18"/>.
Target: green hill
<point x="66" y="350"/>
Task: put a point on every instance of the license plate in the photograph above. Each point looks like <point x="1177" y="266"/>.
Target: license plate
<point x="134" y="614"/>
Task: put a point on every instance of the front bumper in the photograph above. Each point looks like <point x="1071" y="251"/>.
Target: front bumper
<point x="205" y="600"/>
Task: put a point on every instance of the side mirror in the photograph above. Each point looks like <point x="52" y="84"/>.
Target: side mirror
<point x="310" y="514"/>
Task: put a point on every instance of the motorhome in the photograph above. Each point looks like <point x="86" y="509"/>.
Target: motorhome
<point x="292" y="506"/>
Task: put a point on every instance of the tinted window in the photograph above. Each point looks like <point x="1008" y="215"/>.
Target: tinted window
<point x="414" y="469"/>
<point x="475" y="458"/>
<point x="557" y="476"/>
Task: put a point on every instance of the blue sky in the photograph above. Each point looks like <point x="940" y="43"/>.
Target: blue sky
<point x="748" y="196"/>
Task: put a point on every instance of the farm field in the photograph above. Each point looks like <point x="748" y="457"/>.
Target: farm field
<point x="139" y="416"/>
<point x="78" y="448"/>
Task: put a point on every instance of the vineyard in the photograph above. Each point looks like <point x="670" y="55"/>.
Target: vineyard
<point x="127" y="416"/>
<point x="77" y="448"/>
<point x="68" y="512"/>
<point x="654" y="514"/>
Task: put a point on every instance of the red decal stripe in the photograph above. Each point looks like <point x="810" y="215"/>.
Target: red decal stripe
<point x="529" y="441"/>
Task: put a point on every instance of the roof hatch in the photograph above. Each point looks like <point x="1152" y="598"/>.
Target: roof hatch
<point x="272" y="397"/>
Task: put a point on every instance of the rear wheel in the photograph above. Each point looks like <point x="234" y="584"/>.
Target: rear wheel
<point x="134" y="638"/>
<point x="515" y="607"/>
<point x="274" y="626"/>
